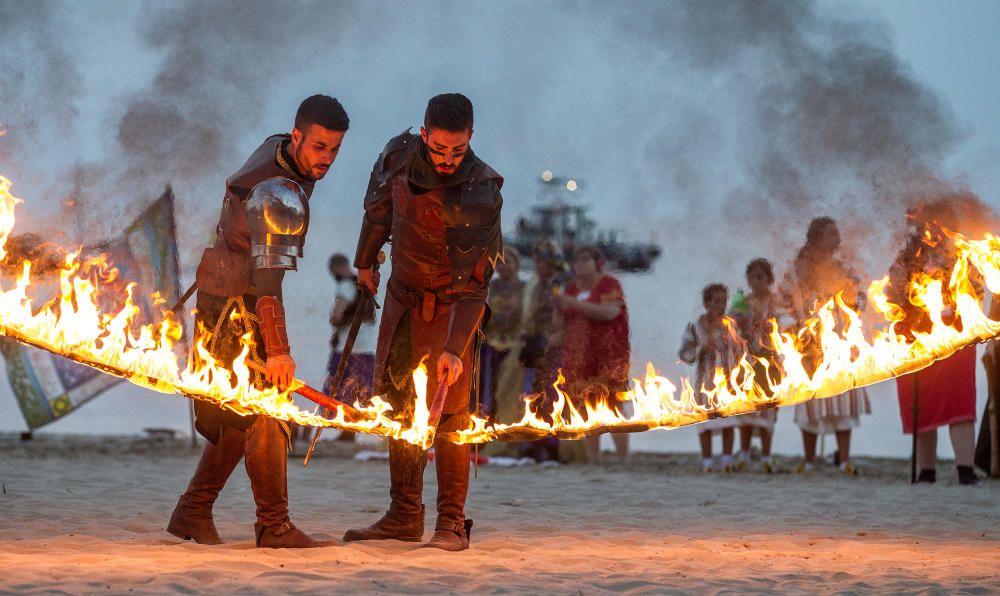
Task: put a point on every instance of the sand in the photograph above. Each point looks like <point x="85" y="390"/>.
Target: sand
<point x="86" y="514"/>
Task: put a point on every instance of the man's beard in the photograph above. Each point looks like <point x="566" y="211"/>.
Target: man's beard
<point x="306" y="173"/>
<point x="452" y="168"/>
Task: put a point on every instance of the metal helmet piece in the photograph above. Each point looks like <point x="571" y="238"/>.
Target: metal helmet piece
<point x="278" y="215"/>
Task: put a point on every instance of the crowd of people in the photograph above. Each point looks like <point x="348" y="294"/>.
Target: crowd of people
<point x="726" y="331"/>
<point x="571" y="317"/>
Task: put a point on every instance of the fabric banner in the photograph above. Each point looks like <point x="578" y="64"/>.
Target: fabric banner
<point x="48" y="387"/>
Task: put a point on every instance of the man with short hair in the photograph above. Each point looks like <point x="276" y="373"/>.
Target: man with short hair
<point x="441" y="205"/>
<point x="260" y="235"/>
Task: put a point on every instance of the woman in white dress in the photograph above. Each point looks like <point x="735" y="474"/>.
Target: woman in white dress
<point x="817" y="275"/>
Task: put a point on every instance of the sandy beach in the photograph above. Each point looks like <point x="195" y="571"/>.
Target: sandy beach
<point x="87" y="514"/>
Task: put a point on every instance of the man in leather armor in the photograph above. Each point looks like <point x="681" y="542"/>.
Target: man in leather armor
<point x="440" y="204"/>
<point x="260" y="236"/>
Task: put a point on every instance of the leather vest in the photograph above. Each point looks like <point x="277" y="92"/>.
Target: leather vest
<point x="445" y="240"/>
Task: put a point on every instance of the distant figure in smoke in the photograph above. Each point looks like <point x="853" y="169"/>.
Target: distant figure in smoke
<point x="817" y="275"/>
<point x="357" y="381"/>
<point x="595" y="342"/>
<point x="261" y="232"/>
<point x="708" y="343"/>
<point x="753" y="317"/>
<point x="945" y="391"/>
<point x="440" y="203"/>
<point x="501" y="375"/>
<point x="542" y="344"/>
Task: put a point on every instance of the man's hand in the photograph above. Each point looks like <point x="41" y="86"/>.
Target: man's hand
<point x="449" y="367"/>
<point x="280" y="371"/>
<point x="369" y="279"/>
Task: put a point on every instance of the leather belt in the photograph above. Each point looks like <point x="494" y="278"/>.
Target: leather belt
<point x="425" y="301"/>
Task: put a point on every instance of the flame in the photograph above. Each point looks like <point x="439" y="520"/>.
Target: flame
<point x="845" y="353"/>
<point x="75" y="326"/>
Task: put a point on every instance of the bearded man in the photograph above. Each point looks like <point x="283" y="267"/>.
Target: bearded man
<point x="265" y="216"/>
<point x="440" y="204"/>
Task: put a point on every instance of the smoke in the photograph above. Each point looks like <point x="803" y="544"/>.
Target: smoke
<point x="40" y="81"/>
<point x="833" y="123"/>
<point x="728" y="125"/>
<point x="221" y="64"/>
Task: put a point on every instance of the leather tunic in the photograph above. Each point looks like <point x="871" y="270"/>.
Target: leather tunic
<point x="455" y="228"/>
<point x="445" y="244"/>
<point x="267" y="161"/>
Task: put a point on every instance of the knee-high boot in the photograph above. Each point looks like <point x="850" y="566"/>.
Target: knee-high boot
<point x="192" y="517"/>
<point x="450" y="531"/>
<point x="405" y="518"/>
<point x="267" y="467"/>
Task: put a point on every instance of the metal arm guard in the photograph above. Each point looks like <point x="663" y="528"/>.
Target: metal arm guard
<point x="271" y="318"/>
<point x="278" y="216"/>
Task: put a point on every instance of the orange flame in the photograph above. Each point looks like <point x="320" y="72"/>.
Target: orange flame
<point x="850" y="355"/>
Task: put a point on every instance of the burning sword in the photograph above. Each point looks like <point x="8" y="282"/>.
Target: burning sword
<point x="345" y="354"/>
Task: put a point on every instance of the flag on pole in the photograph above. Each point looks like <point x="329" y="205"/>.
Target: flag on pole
<point x="48" y="387"/>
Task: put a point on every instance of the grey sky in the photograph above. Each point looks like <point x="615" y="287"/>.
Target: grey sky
<point x="656" y="106"/>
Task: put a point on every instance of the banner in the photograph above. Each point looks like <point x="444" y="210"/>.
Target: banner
<point x="48" y="387"/>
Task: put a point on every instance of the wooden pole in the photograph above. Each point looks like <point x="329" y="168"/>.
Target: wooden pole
<point x="991" y="411"/>
<point x="194" y="434"/>
<point x="916" y="414"/>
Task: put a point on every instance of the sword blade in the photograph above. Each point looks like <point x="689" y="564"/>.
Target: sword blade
<point x="345" y="354"/>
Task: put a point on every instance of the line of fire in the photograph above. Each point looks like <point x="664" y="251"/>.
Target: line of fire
<point x="90" y="317"/>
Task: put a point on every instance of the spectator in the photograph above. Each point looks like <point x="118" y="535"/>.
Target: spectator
<point x="542" y="345"/>
<point x="710" y="342"/>
<point x="501" y="376"/>
<point x="357" y="380"/>
<point x="595" y="346"/>
<point x="817" y="275"/>
<point x="944" y="393"/>
<point x="753" y="318"/>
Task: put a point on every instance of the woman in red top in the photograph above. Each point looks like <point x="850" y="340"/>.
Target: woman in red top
<point x="595" y="354"/>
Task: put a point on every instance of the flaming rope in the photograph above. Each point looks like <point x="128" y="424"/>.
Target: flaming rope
<point x="75" y="326"/>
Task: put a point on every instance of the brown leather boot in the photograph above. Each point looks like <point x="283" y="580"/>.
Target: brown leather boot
<point x="454" y="539"/>
<point x="267" y="466"/>
<point x="405" y="518"/>
<point x="450" y="532"/>
<point x="192" y="517"/>
<point x="389" y="527"/>
<point x="286" y="535"/>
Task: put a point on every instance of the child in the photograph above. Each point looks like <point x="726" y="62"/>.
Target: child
<point x="753" y="320"/>
<point x="709" y="344"/>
